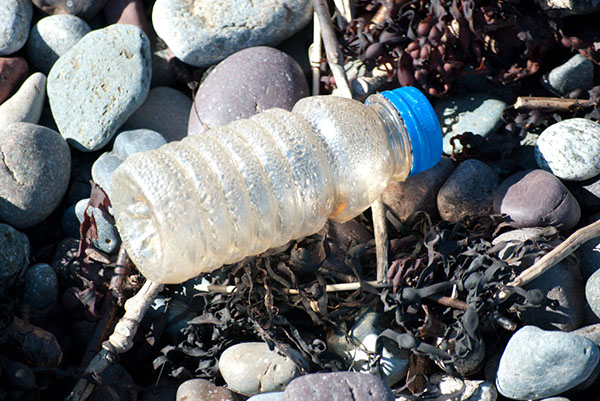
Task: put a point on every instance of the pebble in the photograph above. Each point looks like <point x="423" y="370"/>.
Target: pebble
<point x="338" y="386"/>
<point x="15" y="20"/>
<point x="570" y="149"/>
<point x="34" y="173"/>
<point x="536" y="198"/>
<point x="85" y="9"/>
<point x="203" y="390"/>
<point x="13" y="70"/>
<point x="165" y="110"/>
<point x="126" y="143"/>
<point x="592" y="292"/>
<point x="591" y="332"/>
<point x="26" y="105"/>
<point x="246" y="83"/>
<point x="469" y="191"/>
<point x="41" y="287"/>
<point x="577" y="73"/>
<point x="474" y="112"/>
<point x="538" y="363"/>
<point x="251" y="368"/>
<point x="14" y="252"/>
<point x="52" y="37"/>
<point x="275" y="396"/>
<point x="468" y="390"/>
<point x="417" y="193"/>
<point x="104" y="100"/>
<point x="108" y="239"/>
<point x="127" y="12"/>
<point x="202" y="33"/>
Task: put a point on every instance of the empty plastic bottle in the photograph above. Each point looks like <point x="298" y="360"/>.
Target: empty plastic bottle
<point x="214" y="198"/>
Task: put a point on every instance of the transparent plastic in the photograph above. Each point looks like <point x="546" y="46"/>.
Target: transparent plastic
<point x="215" y="198"/>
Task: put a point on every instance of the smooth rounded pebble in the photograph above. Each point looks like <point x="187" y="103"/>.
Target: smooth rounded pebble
<point x="41" y="286"/>
<point x="592" y="292"/>
<point x="85" y="9"/>
<point x="34" y="173"/>
<point x="338" y="386"/>
<point x="537" y="363"/>
<point x="536" y="198"/>
<point x="275" y="396"/>
<point x="576" y="73"/>
<point x="570" y="149"/>
<point x="204" y="32"/>
<point x="14" y="251"/>
<point x="203" y="390"/>
<point x="15" y="19"/>
<point x="246" y="83"/>
<point x="252" y="368"/>
<point x="108" y="238"/>
<point x="26" y="105"/>
<point x="166" y="111"/>
<point x="88" y="98"/>
<point x="52" y="37"/>
<point x="469" y="191"/>
<point x="13" y="70"/>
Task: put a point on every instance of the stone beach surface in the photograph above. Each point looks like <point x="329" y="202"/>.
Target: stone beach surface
<point x="85" y="84"/>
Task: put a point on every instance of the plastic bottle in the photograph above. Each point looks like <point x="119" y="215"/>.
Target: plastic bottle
<point x="215" y="198"/>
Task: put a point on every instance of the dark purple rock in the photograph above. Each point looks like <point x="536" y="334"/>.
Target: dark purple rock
<point x="418" y="193"/>
<point x="127" y="12"/>
<point x="338" y="386"/>
<point x="469" y="191"/>
<point x="246" y="83"/>
<point x="85" y="9"/>
<point x="13" y="71"/>
<point x="536" y="198"/>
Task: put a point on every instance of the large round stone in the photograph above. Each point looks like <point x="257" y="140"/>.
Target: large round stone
<point x="15" y="19"/>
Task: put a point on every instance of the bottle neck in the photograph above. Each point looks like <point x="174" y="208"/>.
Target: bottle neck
<point x="398" y="136"/>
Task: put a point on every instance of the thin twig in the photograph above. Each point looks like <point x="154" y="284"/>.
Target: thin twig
<point x="381" y="240"/>
<point x="551" y="103"/>
<point x="315" y="52"/>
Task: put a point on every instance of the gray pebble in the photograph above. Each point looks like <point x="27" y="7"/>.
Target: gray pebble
<point x="26" y="105"/>
<point x="15" y="20"/>
<point x="469" y="191"/>
<point x="592" y="292"/>
<point x="85" y="9"/>
<point x="52" y="37"/>
<point x="537" y="363"/>
<point x="570" y="149"/>
<point x="89" y="101"/>
<point x="166" y="111"/>
<point x="252" y="368"/>
<point x="275" y="396"/>
<point x="474" y="112"/>
<point x="338" y="386"/>
<point x="14" y="252"/>
<point x="246" y="83"/>
<point x="34" y="173"/>
<point x="108" y="236"/>
<point x="202" y="33"/>
<point x="591" y="332"/>
<point x="203" y="390"/>
<point x="577" y="73"/>
<point x="41" y="287"/>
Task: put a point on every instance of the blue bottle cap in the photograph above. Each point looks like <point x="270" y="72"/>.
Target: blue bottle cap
<point x="422" y="125"/>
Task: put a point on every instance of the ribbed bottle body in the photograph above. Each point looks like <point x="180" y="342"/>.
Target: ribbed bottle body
<point x="235" y="191"/>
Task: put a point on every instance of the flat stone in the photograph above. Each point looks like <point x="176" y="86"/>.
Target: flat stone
<point x="127" y="12"/>
<point x="417" y="193"/>
<point x="89" y="101"/>
<point x="536" y="198"/>
<point x="166" y="111"/>
<point x="474" y="112"/>
<point x="26" y="105"/>
<point x="570" y="149"/>
<point x="564" y="8"/>
<point x="85" y="9"/>
<point x="13" y="70"/>
<point x="538" y="363"/>
<point x="469" y="390"/>
<point x="41" y="287"/>
<point x="338" y="386"/>
<point x="576" y="73"/>
<point x="203" y="390"/>
<point x="203" y="32"/>
<point x="469" y="191"/>
<point x="252" y="368"/>
<point x="52" y="37"/>
<point x="275" y="396"/>
<point x="15" y="20"/>
<point x="34" y="173"/>
<point x="14" y="252"/>
<point x="246" y="83"/>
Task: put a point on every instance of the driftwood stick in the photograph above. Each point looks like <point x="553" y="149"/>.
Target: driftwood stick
<point x="315" y="53"/>
<point x="381" y="240"/>
<point x="550" y="103"/>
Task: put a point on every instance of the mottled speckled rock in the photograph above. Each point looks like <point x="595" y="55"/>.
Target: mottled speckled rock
<point x="52" y="37"/>
<point x="592" y="292"/>
<point x="469" y="191"/>
<point x="25" y="105"/>
<point x="89" y="100"/>
<point x="85" y="9"/>
<point x="13" y="70"/>
<point x="203" y="390"/>
<point x="570" y="149"/>
<point x="251" y="368"/>
<point x="536" y="198"/>
<point x="14" y="251"/>
<point x="34" y="173"/>
<point x="338" y="386"/>
<point x="41" y="287"/>
<point x="204" y="32"/>
<point x="538" y="363"/>
<point x="577" y="73"/>
<point x="166" y="111"/>
<point x="15" y="20"/>
<point x="246" y="83"/>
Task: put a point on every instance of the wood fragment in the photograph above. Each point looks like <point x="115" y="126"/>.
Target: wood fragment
<point x="315" y="53"/>
<point x="381" y="240"/>
<point x="550" y="103"/>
